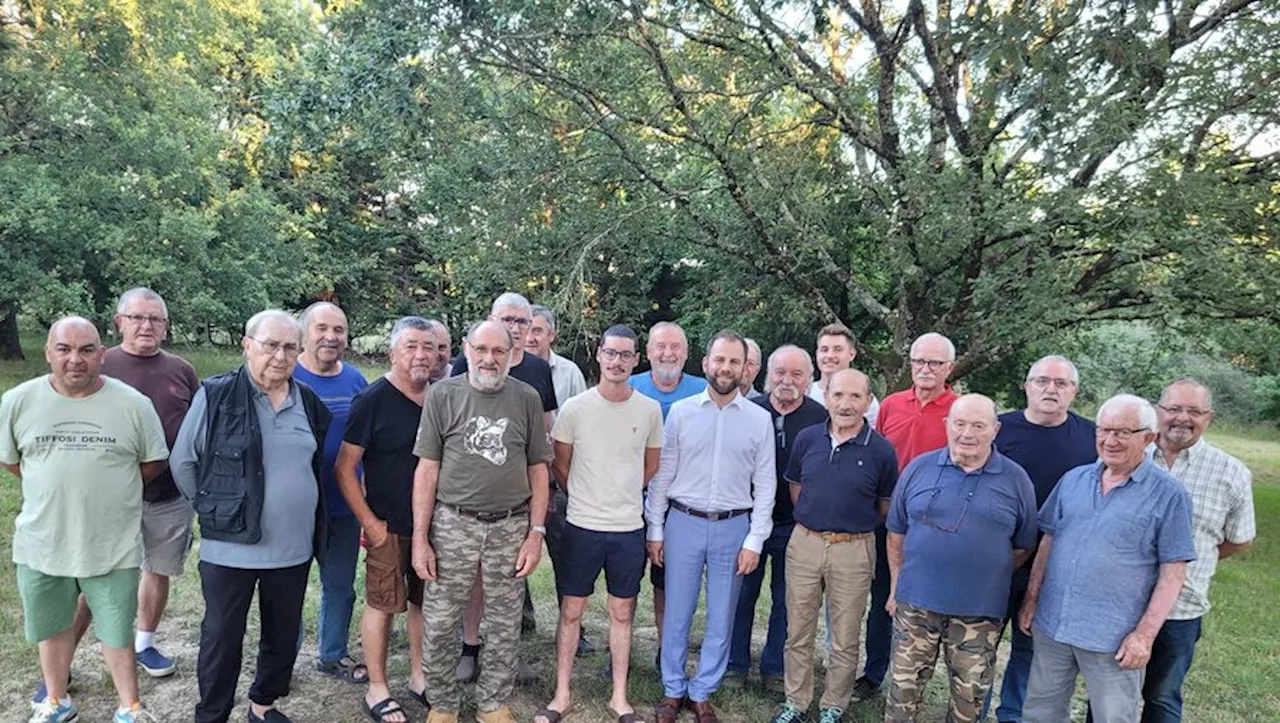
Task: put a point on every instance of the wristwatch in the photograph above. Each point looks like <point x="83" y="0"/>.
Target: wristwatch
<point x="540" y="529"/>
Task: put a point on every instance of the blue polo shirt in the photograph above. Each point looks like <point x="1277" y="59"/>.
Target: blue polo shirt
<point x="961" y="530"/>
<point x="1107" y="552"/>
<point x="689" y="385"/>
<point x="336" y="392"/>
<point x="840" y="485"/>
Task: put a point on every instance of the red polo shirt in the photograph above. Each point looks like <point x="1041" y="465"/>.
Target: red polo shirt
<point x="913" y="429"/>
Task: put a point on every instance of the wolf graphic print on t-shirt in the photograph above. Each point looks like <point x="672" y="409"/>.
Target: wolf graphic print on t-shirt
<point x="483" y="436"/>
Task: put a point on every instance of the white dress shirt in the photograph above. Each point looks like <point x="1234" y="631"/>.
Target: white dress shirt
<point x="716" y="460"/>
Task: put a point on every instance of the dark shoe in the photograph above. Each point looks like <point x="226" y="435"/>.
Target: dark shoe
<point x="585" y="646"/>
<point x="272" y="716"/>
<point x="789" y="713"/>
<point x="773" y="684"/>
<point x="379" y="711"/>
<point x="734" y="680"/>
<point x="469" y="664"/>
<point x="703" y="712"/>
<point x="668" y="710"/>
<point x="346" y="669"/>
<point x="864" y="689"/>
<point x="43" y="692"/>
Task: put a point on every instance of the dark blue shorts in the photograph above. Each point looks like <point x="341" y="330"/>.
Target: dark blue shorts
<point x="584" y="553"/>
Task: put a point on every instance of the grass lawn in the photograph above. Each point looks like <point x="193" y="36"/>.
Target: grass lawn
<point x="1234" y="677"/>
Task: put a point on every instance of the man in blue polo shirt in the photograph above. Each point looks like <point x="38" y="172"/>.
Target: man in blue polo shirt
<point x="1046" y="439"/>
<point x="1117" y="539"/>
<point x="841" y="475"/>
<point x="962" y="518"/>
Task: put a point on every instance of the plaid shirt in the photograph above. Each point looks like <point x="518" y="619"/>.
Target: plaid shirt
<point x="1221" y="490"/>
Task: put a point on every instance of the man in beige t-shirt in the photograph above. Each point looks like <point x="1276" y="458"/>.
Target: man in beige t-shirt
<point x="607" y="443"/>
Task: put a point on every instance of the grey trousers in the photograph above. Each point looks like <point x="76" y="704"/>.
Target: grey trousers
<point x="1114" y="693"/>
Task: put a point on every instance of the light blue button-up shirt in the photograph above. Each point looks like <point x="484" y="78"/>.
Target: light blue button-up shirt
<point x="1107" y="552"/>
<point x="716" y="460"/>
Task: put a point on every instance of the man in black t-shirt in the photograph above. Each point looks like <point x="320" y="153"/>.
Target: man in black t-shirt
<point x="790" y="372"/>
<point x="516" y="313"/>
<point x="382" y="427"/>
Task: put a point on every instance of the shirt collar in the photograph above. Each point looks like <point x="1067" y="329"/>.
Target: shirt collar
<point x="1188" y="454"/>
<point x="555" y="359"/>
<point x="993" y="465"/>
<point x="862" y="438"/>
<point x="704" y="397"/>
<point x="1144" y="471"/>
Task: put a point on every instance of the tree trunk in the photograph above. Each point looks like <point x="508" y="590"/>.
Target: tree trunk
<point x="10" y="345"/>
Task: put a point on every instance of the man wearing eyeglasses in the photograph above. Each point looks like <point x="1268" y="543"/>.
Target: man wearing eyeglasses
<point x="170" y="382"/>
<point x="607" y="442"/>
<point x="479" y="510"/>
<point x="914" y="422"/>
<point x="961" y="520"/>
<point x="515" y="313"/>
<point x="320" y="366"/>
<point x="1047" y="439"/>
<point x="1221" y="490"/>
<point x="1108" y="571"/>
<point x="249" y="457"/>
<point x="789" y="375"/>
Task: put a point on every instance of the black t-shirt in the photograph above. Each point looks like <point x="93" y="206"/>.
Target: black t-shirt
<point x="806" y="415"/>
<point x="385" y="422"/>
<point x="531" y="370"/>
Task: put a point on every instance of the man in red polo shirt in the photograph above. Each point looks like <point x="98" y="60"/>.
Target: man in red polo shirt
<point x="914" y="422"/>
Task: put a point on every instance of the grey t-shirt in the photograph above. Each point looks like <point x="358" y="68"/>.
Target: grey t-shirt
<point x="484" y="441"/>
<point x="291" y="492"/>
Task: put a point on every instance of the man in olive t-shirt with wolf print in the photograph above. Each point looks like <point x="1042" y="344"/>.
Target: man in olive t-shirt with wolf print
<point x="479" y="502"/>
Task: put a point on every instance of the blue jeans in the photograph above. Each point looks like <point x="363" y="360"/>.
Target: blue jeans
<point x="775" y="550"/>
<point x="879" y="624"/>
<point x="693" y="547"/>
<point x="337" y="585"/>
<point x="1171" y="655"/>
<point x="1018" y="670"/>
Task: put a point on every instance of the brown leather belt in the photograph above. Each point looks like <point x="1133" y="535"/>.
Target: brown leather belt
<point x="834" y="537"/>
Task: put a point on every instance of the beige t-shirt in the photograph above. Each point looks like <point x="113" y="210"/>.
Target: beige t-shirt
<point x="606" y="474"/>
<point x="81" y="484"/>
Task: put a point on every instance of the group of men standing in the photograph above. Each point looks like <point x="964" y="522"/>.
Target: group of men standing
<point x="926" y="513"/>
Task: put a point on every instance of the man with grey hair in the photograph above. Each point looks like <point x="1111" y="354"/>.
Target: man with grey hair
<point x="444" y="349"/>
<point x="566" y="377"/>
<point x="914" y="422"/>
<point x="751" y="371"/>
<point x="1113" y="559"/>
<point x="249" y="457"/>
<point x="1221" y="490"/>
<point x="1047" y="439"/>
<point x="325" y="335"/>
<point x="479" y="509"/>
<point x="515" y="314"/>
<point x="379" y="437"/>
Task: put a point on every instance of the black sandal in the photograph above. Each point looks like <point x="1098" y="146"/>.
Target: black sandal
<point x="346" y="669"/>
<point x="379" y="711"/>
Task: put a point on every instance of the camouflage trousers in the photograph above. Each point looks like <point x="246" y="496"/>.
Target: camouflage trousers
<point x="969" y="648"/>
<point x="462" y="545"/>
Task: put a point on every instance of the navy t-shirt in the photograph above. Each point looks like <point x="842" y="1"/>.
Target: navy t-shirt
<point x="385" y="423"/>
<point x="531" y="370"/>
<point x="1046" y="453"/>
<point x="785" y="429"/>
<point x="336" y="392"/>
<point x="840" y="487"/>
<point x="961" y="530"/>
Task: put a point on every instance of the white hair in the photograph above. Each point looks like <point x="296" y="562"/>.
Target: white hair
<point x="305" y="319"/>
<point x="1058" y="359"/>
<point x="773" y="358"/>
<point x="510" y="298"/>
<point x="751" y="343"/>
<point x="545" y="313"/>
<point x="1146" y="412"/>
<point x="934" y="336"/>
<point x="262" y="317"/>
<point x="140" y="292"/>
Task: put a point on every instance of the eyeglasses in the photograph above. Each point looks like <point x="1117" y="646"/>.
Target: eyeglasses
<point x="139" y="318"/>
<point x="933" y="364"/>
<point x="1044" y="382"/>
<point x="515" y="320"/>
<point x="1194" y="412"/>
<point x="612" y="354"/>
<point x="487" y="350"/>
<point x="932" y="511"/>
<point x="1124" y="435"/>
<point x="273" y="347"/>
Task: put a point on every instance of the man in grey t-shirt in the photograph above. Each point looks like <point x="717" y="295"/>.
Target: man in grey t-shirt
<point x="479" y="503"/>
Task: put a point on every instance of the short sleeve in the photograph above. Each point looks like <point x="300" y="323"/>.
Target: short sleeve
<point x="152" y="446"/>
<point x="563" y="430"/>
<point x="539" y="450"/>
<point x="430" y="442"/>
<point x="8" y="434"/>
<point x="1173" y="538"/>
<point x="1024" y="535"/>
<point x="657" y="436"/>
<point x="359" y="429"/>
<point x="795" y="461"/>
<point x="547" y="391"/>
<point x="897" y="521"/>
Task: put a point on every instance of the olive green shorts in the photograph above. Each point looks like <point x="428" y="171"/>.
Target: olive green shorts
<point x="49" y="604"/>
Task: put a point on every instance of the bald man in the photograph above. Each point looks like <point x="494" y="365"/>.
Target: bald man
<point x="83" y="446"/>
<point x="961" y="520"/>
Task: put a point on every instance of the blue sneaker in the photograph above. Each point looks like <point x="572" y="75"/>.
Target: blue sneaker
<point x="43" y="692"/>
<point x="133" y="714"/>
<point x="155" y="664"/>
<point x="53" y="711"/>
